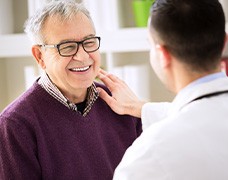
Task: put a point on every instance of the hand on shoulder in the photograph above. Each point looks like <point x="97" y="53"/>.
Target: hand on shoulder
<point x="123" y="100"/>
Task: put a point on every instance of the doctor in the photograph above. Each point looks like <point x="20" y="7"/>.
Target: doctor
<point x="190" y="140"/>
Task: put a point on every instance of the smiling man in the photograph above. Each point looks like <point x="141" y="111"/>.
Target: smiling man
<point x="60" y="128"/>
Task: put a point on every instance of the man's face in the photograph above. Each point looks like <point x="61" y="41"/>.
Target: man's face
<point x="76" y="73"/>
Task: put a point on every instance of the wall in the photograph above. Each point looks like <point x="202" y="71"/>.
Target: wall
<point x="15" y="76"/>
<point x="3" y="89"/>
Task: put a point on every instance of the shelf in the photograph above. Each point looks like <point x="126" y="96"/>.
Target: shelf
<point x="123" y="40"/>
<point x="14" y="45"/>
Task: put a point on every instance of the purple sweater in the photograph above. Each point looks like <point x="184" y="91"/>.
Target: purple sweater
<point x="40" y="138"/>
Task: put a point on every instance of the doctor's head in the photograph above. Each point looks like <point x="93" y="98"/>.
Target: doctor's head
<point x="190" y="31"/>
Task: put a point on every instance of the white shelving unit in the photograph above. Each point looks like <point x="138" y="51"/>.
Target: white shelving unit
<point x="122" y="47"/>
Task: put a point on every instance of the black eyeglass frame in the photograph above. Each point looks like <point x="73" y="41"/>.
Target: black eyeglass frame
<point x="77" y="42"/>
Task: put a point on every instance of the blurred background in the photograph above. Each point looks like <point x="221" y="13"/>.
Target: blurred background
<point x="124" y="46"/>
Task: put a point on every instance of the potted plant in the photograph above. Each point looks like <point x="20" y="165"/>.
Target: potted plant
<point x="141" y="9"/>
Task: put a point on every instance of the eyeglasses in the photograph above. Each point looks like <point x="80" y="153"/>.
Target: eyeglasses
<point x="70" y="48"/>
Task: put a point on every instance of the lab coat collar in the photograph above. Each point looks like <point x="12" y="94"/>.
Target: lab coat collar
<point x="184" y="98"/>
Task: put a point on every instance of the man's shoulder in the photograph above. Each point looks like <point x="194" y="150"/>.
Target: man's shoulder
<point x="98" y="84"/>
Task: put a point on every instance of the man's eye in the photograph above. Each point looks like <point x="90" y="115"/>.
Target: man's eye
<point x="89" y="43"/>
<point x="68" y="48"/>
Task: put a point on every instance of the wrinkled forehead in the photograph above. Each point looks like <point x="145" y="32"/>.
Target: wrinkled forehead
<point x="75" y="27"/>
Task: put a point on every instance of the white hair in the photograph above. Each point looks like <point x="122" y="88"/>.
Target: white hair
<point x="65" y="9"/>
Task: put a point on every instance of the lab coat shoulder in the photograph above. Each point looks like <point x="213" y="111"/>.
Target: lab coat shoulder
<point x="154" y="112"/>
<point x="163" y="149"/>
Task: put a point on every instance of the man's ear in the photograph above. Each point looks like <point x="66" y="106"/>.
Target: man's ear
<point x="165" y="56"/>
<point x="36" y="51"/>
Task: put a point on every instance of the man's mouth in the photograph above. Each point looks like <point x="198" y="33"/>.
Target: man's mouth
<point x="82" y="69"/>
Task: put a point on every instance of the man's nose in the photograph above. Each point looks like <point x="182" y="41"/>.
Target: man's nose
<point x="81" y="54"/>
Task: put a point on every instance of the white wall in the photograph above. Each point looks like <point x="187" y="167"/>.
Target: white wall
<point x="15" y="76"/>
<point x="3" y="88"/>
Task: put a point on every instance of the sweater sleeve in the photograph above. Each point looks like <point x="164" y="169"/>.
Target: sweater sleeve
<point x="138" y="126"/>
<point x="18" y="158"/>
<point x="153" y="112"/>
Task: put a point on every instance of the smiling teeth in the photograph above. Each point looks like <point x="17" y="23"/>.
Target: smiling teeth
<point x="80" y="69"/>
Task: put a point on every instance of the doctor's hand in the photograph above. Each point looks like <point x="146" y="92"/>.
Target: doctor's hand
<point x="123" y="100"/>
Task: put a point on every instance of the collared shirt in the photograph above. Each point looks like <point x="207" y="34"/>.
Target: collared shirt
<point x="51" y="88"/>
<point x="201" y="80"/>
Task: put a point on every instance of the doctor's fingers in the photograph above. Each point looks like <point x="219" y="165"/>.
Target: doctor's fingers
<point x="110" y="80"/>
<point x="112" y="77"/>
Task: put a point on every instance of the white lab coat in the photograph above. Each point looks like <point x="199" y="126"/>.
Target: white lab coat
<point x="191" y="143"/>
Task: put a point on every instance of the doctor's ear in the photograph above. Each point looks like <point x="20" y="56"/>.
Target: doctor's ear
<point x="164" y="55"/>
<point x="37" y="53"/>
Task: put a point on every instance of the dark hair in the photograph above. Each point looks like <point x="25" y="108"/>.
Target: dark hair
<point x="192" y="30"/>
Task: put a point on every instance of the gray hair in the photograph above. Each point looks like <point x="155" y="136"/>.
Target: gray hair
<point x="66" y="9"/>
